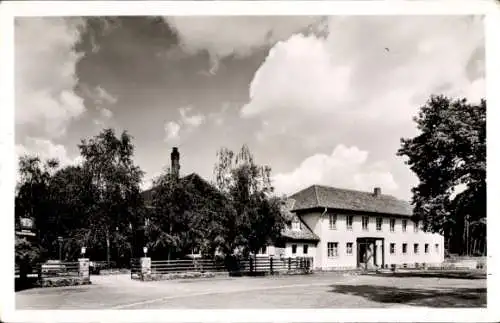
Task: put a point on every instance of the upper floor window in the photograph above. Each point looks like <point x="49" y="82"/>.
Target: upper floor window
<point x="348" y="221"/>
<point x="392" y="224"/>
<point x="426" y="248"/>
<point x="403" y="225"/>
<point x="436" y="247"/>
<point x="296" y="225"/>
<point x="405" y="247"/>
<point x="379" y="224"/>
<point x="392" y="248"/>
<point x="415" y="248"/>
<point x="332" y="249"/>
<point x="332" y="221"/>
<point x="415" y="226"/>
<point x="348" y="248"/>
<point x="364" y="223"/>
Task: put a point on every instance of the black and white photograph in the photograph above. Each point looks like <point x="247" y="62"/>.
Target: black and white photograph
<point x="243" y="161"/>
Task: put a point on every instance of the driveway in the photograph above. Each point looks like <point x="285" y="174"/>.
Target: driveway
<point x="321" y="290"/>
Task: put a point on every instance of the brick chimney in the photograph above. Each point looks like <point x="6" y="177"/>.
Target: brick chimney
<point x="377" y="191"/>
<point x="174" y="162"/>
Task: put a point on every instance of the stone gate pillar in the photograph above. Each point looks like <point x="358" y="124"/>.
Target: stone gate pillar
<point x="145" y="268"/>
<point x="83" y="268"/>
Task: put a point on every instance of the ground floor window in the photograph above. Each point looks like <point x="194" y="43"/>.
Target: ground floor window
<point x="415" y="248"/>
<point x="332" y="249"/>
<point x="392" y="248"/>
<point x="305" y="249"/>
<point x="294" y="249"/>
<point x="426" y="248"/>
<point x="263" y="250"/>
<point x="437" y="248"/>
<point x="405" y="247"/>
<point x="348" y="248"/>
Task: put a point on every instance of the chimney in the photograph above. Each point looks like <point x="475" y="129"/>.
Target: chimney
<point x="175" y="164"/>
<point x="377" y="191"/>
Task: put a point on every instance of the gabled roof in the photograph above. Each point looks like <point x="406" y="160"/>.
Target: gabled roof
<point x="305" y="233"/>
<point x="318" y="196"/>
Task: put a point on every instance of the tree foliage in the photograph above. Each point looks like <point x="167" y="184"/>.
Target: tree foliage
<point x="255" y="217"/>
<point x="450" y="152"/>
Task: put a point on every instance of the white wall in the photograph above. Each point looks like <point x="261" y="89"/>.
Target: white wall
<point x="320" y="226"/>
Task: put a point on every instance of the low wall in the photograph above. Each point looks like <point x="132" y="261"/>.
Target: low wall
<point x="466" y="262"/>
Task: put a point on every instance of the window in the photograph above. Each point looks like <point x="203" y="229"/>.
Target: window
<point x="294" y="249"/>
<point x="332" y="249"/>
<point x="403" y="225"/>
<point x="379" y="224"/>
<point x="415" y="226"/>
<point x="392" y="248"/>
<point x="263" y="250"/>
<point x="426" y="248"/>
<point x="415" y="248"/>
<point x="436" y="246"/>
<point x="392" y="224"/>
<point x="333" y="221"/>
<point x="348" y="221"/>
<point x="405" y="247"/>
<point x="348" y="248"/>
<point x="364" y="223"/>
<point x="305" y="249"/>
<point x="296" y="225"/>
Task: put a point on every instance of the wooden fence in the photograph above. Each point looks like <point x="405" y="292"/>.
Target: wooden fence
<point x="250" y="265"/>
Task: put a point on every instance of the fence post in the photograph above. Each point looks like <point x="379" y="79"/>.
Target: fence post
<point x="145" y="268"/>
<point x="271" y="265"/>
<point x="83" y="268"/>
<point x="289" y="263"/>
<point x="251" y="264"/>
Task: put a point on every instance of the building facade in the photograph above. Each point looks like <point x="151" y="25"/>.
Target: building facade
<point x="349" y="229"/>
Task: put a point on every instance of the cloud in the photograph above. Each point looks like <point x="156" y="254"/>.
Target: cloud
<point x="172" y="131"/>
<point x="194" y="120"/>
<point x="101" y="96"/>
<point x="345" y="167"/>
<point x="46" y="149"/>
<point x="362" y="81"/>
<point x="45" y="75"/>
<point x="239" y="36"/>
<point x="106" y="113"/>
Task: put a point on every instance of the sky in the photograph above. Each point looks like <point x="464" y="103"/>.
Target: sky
<point x="322" y="100"/>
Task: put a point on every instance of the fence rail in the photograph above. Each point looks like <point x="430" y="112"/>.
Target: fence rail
<point x="249" y="265"/>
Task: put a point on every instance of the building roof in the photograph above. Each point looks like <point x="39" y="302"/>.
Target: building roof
<point x="318" y="196"/>
<point x="305" y="233"/>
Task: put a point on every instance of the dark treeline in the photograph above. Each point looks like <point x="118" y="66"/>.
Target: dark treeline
<point x="99" y="204"/>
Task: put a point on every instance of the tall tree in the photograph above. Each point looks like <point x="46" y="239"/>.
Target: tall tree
<point x="255" y="217"/>
<point x="117" y="200"/>
<point x="34" y="200"/>
<point x="450" y="152"/>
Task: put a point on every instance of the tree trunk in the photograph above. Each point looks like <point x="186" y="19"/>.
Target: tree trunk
<point x="107" y="247"/>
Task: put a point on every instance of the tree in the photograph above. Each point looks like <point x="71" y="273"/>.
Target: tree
<point x="34" y="199"/>
<point x="115" y="184"/>
<point x="448" y="153"/>
<point x="254" y="217"/>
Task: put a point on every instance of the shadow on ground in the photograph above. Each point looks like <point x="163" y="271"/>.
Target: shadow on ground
<point x="425" y="274"/>
<point x="437" y="297"/>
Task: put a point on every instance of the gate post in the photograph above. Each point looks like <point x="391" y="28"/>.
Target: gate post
<point x="83" y="268"/>
<point x="145" y="268"/>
